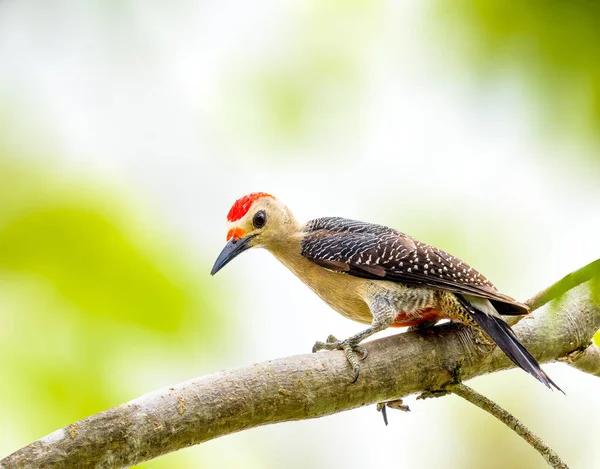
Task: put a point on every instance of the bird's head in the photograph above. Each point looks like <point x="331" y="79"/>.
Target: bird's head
<point x="255" y="220"/>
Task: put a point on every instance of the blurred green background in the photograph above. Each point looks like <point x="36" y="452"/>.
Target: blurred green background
<point x="127" y="129"/>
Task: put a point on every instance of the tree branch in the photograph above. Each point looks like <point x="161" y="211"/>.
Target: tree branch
<point x="301" y="387"/>
<point x="510" y="421"/>
<point x="586" y="360"/>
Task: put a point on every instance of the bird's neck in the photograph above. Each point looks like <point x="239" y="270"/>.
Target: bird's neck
<point x="288" y="250"/>
<point x="287" y="247"/>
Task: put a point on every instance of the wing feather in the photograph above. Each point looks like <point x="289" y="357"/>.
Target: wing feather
<point x="378" y="252"/>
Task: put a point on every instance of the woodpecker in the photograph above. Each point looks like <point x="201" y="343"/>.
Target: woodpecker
<point x="375" y="275"/>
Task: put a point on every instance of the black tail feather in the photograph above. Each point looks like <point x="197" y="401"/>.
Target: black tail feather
<point x="502" y="334"/>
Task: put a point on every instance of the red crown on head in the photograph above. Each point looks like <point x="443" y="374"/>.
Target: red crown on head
<point x="242" y="205"/>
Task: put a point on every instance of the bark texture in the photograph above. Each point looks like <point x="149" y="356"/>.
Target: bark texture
<point x="308" y="386"/>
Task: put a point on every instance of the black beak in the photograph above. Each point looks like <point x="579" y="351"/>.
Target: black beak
<point x="233" y="248"/>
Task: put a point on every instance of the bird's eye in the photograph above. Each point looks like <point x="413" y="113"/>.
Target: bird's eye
<point x="259" y="220"/>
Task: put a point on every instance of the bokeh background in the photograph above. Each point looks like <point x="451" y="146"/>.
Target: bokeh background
<point x="127" y="129"/>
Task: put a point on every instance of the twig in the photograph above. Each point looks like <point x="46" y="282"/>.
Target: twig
<point x="510" y="421"/>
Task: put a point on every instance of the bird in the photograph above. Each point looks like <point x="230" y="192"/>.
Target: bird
<point x="375" y="275"/>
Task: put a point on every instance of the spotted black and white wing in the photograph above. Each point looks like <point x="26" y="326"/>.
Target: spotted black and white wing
<point x="378" y="252"/>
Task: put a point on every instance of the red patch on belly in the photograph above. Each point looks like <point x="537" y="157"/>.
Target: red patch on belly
<point x="405" y="320"/>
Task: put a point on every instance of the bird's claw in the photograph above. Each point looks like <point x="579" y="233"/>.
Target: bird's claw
<point x="330" y="344"/>
<point x="396" y="404"/>
<point x="354" y="352"/>
<point x="356" y="373"/>
<point x="483" y="340"/>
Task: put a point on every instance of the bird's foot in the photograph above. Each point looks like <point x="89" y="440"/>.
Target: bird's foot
<point x="354" y="352"/>
<point x="483" y="340"/>
<point x="395" y="404"/>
